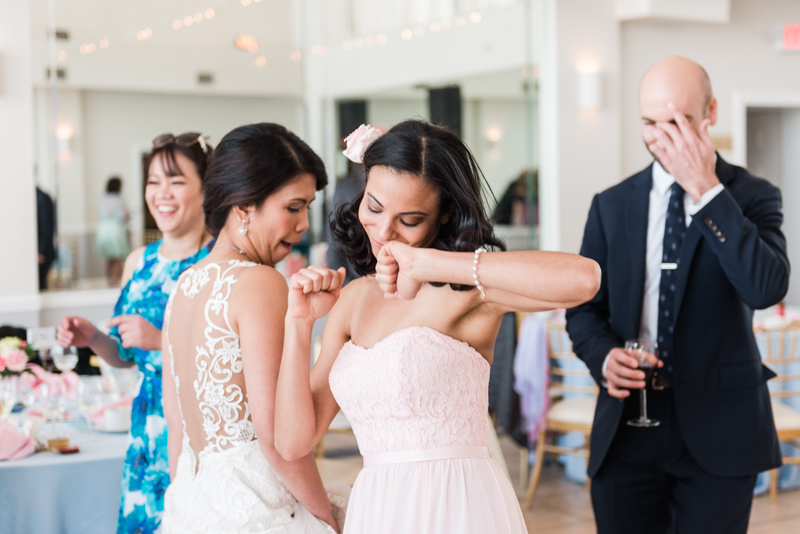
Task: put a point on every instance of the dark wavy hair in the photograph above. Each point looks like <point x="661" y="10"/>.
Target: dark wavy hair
<point x="442" y="159"/>
<point x="249" y="164"/>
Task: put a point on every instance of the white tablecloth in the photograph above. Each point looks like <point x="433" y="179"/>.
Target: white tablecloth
<point x="49" y="493"/>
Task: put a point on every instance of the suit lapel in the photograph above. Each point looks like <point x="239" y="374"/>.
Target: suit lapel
<point x="636" y="220"/>
<point x="692" y="240"/>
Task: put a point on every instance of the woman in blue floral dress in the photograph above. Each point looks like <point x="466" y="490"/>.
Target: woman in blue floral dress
<point x="174" y="173"/>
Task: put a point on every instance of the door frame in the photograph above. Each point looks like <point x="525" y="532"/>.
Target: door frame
<point x="742" y="101"/>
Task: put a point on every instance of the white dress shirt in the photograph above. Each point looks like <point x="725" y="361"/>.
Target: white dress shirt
<point x="656" y="221"/>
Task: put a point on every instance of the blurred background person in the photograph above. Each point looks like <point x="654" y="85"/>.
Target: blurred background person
<point x="173" y="174"/>
<point x="112" y="234"/>
<point x="46" y="231"/>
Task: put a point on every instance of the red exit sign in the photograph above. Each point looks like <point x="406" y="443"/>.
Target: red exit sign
<point x="791" y="36"/>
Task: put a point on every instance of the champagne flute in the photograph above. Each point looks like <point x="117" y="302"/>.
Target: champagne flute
<point x="646" y="353"/>
<point x="8" y="397"/>
<point x="89" y="401"/>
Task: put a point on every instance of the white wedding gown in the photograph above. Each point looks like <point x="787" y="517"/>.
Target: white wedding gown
<point x="223" y="483"/>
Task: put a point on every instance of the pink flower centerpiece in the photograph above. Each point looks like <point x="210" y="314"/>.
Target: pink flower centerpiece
<point x="14" y="356"/>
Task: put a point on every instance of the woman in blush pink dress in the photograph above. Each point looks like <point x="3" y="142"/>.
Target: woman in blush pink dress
<point x="407" y="348"/>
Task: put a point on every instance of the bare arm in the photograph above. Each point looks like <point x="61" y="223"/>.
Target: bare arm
<point x="514" y="281"/>
<point x="172" y="413"/>
<point x="305" y="403"/>
<point x="80" y="332"/>
<point x="258" y="307"/>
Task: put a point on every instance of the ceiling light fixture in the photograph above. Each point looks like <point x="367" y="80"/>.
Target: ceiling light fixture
<point x="406" y="34"/>
<point x="62" y="55"/>
<point x="461" y="22"/>
<point x="261" y="61"/>
<point x="358" y="42"/>
<point x="296" y="55"/>
<point x="209" y="13"/>
<point x="104" y="44"/>
<point x="369" y="40"/>
<point x="380" y="38"/>
<point x="247" y="42"/>
<point x="245" y="3"/>
<point x="419" y="30"/>
<point x="177" y="24"/>
<point x="475" y="17"/>
<point x="188" y="20"/>
<point x="198" y="17"/>
<point x="347" y="45"/>
<point x="446" y="24"/>
<point x="435" y="26"/>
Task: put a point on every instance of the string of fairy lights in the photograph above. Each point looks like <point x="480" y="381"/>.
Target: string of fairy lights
<point x="249" y="43"/>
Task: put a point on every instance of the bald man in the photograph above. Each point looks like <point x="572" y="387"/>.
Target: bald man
<point x="689" y="247"/>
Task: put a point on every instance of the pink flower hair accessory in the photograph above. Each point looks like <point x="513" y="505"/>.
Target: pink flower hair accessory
<point x="358" y="142"/>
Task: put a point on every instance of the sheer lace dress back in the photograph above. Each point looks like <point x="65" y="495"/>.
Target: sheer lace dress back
<point x="206" y="360"/>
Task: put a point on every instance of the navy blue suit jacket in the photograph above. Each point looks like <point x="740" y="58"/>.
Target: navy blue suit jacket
<point x="733" y="261"/>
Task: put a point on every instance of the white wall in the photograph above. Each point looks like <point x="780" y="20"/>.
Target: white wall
<point x="790" y="132"/>
<point x="580" y="150"/>
<point x="740" y="56"/>
<point x="19" y="280"/>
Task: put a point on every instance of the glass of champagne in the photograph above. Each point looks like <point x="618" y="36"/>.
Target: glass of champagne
<point x="89" y="401"/>
<point x="64" y="358"/>
<point x="8" y="396"/>
<point x="646" y="353"/>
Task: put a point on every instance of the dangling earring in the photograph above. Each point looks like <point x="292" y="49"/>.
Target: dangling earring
<point x="243" y="228"/>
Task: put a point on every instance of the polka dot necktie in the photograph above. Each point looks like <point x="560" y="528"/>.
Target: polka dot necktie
<point x="674" y="232"/>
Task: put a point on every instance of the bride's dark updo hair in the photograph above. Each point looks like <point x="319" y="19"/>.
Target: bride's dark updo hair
<point x="442" y="159"/>
<point x="249" y="164"/>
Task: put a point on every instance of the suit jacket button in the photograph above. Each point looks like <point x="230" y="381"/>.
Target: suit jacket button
<point x="709" y="222"/>
<point x="722" y="239"/>
<point x="718" y="233"/>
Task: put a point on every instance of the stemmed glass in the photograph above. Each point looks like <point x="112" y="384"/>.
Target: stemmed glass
<point x="646" y="353"/>
<point x="51" y="405"/>
<point x="89" y="401"/>
<point x="8" y="397"/>
<point x="64" y="358"/>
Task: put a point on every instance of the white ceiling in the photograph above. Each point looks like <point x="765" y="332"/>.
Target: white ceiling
<point x="119" y="21"/>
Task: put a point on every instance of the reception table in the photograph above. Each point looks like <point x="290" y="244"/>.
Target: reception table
<point x="50" y="493"/>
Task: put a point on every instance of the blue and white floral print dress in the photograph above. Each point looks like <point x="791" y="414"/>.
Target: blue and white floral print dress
<point x="146" y="474"/>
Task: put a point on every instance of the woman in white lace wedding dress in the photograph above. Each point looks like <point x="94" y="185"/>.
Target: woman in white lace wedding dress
<point x="223" y="333"/>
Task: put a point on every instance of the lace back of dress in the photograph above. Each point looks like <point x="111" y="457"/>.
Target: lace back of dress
<point x="206" y="359"/>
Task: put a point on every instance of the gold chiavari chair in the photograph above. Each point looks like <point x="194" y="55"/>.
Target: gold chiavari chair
<point x="567" y="413"/>
<point x="777" y="340"/>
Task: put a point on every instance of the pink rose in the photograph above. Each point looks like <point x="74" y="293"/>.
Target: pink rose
<point x="16" y="360"/>
<point x="2" y="364"/>
<point x="358" y="142"/>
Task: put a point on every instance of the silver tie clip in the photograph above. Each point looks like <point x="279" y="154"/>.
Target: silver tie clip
<point x="669" y="266"/>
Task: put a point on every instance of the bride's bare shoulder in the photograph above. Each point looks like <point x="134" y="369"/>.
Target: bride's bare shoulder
<point x="260" y="281"/>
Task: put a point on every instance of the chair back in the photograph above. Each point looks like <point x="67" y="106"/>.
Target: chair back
<point x="568" y="374"/>
<point x="781" y="352"/>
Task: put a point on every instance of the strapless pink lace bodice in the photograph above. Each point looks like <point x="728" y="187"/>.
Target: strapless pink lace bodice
<point x="416" y="389"/>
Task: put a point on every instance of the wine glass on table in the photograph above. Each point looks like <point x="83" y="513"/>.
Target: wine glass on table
<point x="64" y="358"/>
<point x="646" y="353"/>
<point x="89" y="401"/>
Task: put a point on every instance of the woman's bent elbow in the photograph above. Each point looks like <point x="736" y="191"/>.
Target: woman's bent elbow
<point x="592" y="279"/>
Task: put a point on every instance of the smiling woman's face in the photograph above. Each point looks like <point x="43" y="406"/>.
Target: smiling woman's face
<point x="176" y="202"/>
<point x="399" y="207"/>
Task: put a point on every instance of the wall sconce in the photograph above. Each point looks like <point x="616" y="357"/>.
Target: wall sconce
<point x="64" y="135"/>
<point x="590" y="90"/>
<point x="494" y="134"/>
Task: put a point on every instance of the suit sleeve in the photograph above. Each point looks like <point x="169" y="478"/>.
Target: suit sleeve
<point x="750" y="247"/>
<point x="588" y="324"/>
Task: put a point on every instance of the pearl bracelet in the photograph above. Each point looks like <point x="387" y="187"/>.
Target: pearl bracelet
<point x="481" y="288"/>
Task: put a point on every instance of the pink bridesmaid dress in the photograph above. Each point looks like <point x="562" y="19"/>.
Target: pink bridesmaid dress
<point x="417" y="402"/>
